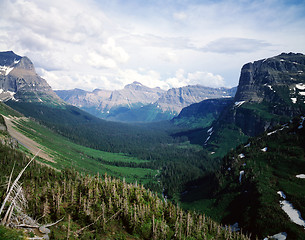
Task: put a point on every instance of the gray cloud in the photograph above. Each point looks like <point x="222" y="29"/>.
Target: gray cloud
<point x="235" y="45"/>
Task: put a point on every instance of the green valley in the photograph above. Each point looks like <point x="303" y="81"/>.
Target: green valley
<point x="63" y="153"/>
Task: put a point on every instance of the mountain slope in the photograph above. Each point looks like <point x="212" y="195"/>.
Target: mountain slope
<point x="202" y="114"/>
<point x="250" y="185"/>
<point x="20" y="82"/>
<point x="254" y="176"/>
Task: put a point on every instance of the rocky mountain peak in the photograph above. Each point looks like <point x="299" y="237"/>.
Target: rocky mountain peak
<point x="135" y="86"/>
<point x="8" y="58"/>
<point x="19" y="81"/>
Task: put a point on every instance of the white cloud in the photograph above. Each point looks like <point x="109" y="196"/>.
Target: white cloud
<point x="112" y="50"/>
<point x="235" y="45"/>
<point x="99" y="61"/>
<point x="179" y="16"/>
<point x="193" y="78"/>
<point x="61" y="80"/>
<point x="107" y="44"/>
<point x="169" y="56"/>
<point x="77" y="58"/>
<point x="148" y="78"/>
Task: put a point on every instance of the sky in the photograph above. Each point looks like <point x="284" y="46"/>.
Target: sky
<point x="107" y="44"/>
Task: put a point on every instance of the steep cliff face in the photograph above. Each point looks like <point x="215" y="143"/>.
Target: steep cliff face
<point x="20" y="82"/>
<point x="270" y="92"/>
<point x="280" y="78"/>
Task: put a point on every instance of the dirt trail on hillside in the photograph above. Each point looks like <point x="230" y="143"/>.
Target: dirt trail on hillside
<point x="31" y="145"/>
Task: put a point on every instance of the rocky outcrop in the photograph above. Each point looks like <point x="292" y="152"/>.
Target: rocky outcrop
<point x="20" y="82"/>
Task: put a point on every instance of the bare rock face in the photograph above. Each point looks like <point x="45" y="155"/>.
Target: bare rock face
<point x="265" y="80"/>
<point x="270" y="91"/>
<point x="20" y="82"/>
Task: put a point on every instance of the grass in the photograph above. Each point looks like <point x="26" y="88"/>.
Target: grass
<point x="11" y="234"/>
<point x="84" y="159"/>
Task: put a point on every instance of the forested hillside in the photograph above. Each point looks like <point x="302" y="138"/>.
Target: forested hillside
<point x="257" y="182"/>
<point x="93" y="207"/>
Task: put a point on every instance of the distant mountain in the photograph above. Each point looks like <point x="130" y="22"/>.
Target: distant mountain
<point x="107" y="104"/>
<point x="20" y="82"/>
<point x="175" y="99"/>
<point x="138" y="103"/>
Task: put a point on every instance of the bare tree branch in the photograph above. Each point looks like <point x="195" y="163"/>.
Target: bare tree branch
<point x="15" y="182"/>
<point x="10" y="179"/>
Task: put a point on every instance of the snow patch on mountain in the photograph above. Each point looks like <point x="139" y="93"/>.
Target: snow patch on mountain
<point x="7" y="95"/>
<point x="300" y="176"/>
<point x="301" y="123"/>
<point x="264" y="149"/>
<point x="238" y="104"/>
<point x="294" y="100"/>
<point x="281" y="194"/>
<point x="210" y="130"/>
<point x="300" y="86"/>
<point x="270" y="133"/>
<point x="241" y="174"/>
<point x="294" y="214"/>
<point x="278" y="236"/>
<point x="6" y="70"/>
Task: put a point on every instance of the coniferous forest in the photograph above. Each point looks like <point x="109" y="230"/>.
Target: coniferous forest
<point x="96" y="207"/>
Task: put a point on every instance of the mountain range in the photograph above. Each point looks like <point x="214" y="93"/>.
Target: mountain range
<point x="138" y="103"/>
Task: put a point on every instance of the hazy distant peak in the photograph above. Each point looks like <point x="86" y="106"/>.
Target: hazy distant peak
<point x="135" y="85"/>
